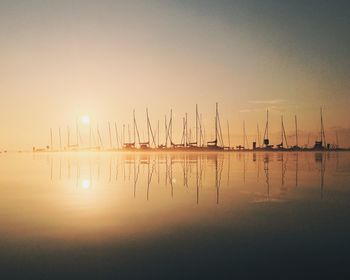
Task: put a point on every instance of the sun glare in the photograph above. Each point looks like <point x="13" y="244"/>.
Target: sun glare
<point x="86" y="184"/>
<point x="85" y="120"/>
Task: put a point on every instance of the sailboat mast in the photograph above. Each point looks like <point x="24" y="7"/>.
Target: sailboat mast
<point x="186" y="138"/>
<point x="244" y="135"/>
<point x="171" y="126"/>
<point x="228" y="134"/>
<point x="158" y="134"/>
<point x="197" y="125"/>
<point x="99" y="136"/>
<point x="51" y="139"/>
<point x="323" y="135"/>
<point x="284" y="136"/>
<point x="60" y="136"/>
<point x="184" y="131"/>
<point x="134" y="128"/>
<point x="123" y="136"/>
<point x="201" y="137"/>
<point x="282" y="131"/>
<point x="148" y="127"/>
<point x="266" y="133"/>
<point x="68" y="136"/>
<point x="166" y="131"/>
<point x="216" y="124"/>
<point x="116" y="134"/>
<point x="258" y="131"/>
<point x="296" y="131"/>
<point x="321" y="132"/>
<point x="152" y="132"/>
<point x="110" y="135"/>
<point x="267" y="125"/>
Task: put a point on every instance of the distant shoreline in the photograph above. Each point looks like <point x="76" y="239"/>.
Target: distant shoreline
<point x="187" y="151"/>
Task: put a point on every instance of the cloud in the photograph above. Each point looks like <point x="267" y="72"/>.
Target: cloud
<point x="279" y="109"/>
<point x="258" y="110"/>
<point x="251" y="110"/>
<point x="245" y="110"/>
<point x="272" y="101"/>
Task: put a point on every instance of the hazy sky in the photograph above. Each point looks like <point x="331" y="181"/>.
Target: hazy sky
<point x="63" y="59"/>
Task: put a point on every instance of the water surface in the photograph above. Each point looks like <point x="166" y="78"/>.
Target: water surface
<point x="140" y="215"/>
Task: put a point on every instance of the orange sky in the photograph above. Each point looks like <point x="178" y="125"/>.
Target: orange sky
<point x="62" y="60"/>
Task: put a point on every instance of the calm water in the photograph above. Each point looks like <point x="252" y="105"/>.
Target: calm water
<point x="118" y="215"/>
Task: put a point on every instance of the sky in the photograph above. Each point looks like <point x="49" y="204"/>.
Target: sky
<point x="60" y="60"/>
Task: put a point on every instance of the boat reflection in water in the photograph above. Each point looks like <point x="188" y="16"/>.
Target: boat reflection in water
<point x="186" y="172"/>
<point x="141" y="215"/>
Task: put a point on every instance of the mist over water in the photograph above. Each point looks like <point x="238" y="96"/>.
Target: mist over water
<point x="149" y="214"/>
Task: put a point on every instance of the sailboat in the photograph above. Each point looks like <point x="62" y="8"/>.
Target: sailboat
<point x="321" y="143"/>
<point x="130" y="145"/>
<point x="217" y="143"/>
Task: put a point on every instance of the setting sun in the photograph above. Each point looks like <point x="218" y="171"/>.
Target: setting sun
<point x="85" y="184"/>
<point x="85" y="120"/>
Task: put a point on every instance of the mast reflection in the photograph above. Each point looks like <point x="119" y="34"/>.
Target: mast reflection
<point x="191" y="174"/>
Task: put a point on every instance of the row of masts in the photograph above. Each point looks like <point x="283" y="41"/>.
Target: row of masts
<point x="320" y="144"/>
<point x="153" y="139"/>
<point x="188" y="142"/>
